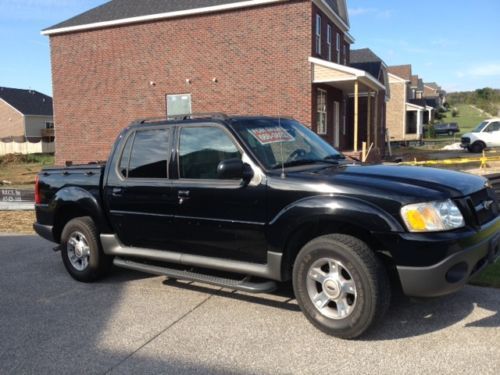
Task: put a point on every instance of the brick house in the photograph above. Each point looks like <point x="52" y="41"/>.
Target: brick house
<point x="434" y="95"/>
<point x="407" y="111"/>
<point x="25" y="115"/>
<point x="128" y="59"/>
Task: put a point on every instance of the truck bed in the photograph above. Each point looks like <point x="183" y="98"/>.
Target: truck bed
<point x="85" y="176"/>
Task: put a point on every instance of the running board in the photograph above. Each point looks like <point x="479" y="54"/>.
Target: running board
<point x="243" y="285"/>
<point x="271" y="270"/>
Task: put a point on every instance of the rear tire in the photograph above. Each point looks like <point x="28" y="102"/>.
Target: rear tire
<point x="340" y="285"/>
<point x="81" y="250"/>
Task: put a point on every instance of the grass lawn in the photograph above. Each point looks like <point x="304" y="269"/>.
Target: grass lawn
<point x="17" y="222"/>
<point x="489" y="277"/>
<point x="468" y="118"/>
<point x="20" y="170"/>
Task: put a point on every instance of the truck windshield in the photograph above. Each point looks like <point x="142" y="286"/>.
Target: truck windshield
<point x="284" y="142"/>
<point x="480" y="127"/>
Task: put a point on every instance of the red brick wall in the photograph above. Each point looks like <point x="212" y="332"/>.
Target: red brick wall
<point x="102" y="77"/>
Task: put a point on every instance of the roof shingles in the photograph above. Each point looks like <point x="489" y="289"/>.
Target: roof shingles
<point x="123" y="9"/>
<point x="28" y="102"/>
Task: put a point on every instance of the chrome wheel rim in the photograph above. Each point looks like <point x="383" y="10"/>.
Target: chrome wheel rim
<point x="331" y="288"/>
<point x="78" y="251"/>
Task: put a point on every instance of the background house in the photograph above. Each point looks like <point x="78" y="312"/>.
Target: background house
<point x="407" y="111"/>
<point x="25" y="115"/>
<point x="128" y="59"/>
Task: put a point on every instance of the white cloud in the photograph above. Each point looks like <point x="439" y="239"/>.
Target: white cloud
<point x="379" y="13"/>
<point x="486" y="70"/>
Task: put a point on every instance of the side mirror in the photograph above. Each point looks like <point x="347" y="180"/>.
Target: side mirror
<point x="234" y="169"/>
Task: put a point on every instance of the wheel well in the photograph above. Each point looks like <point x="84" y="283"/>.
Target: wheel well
<point x="479" y="142"/>
<point x="309" y="231"/>
<point x="63" y="215"/>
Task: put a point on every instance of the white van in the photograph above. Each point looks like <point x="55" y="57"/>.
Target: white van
<point x="486" y="134"/>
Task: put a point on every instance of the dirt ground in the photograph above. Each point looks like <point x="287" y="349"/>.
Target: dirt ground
<point x="17" y="222"/>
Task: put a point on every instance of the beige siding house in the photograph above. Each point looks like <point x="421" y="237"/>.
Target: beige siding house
<point x="25" y="115"/>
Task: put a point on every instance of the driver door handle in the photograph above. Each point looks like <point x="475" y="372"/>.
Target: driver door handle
<point x="183" y="195"/>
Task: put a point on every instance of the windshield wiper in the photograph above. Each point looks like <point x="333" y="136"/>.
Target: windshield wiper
<point x="334" y="157"/>
<point x="293" y="163"/>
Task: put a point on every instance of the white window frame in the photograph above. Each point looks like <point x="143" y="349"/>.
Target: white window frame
<point x="321" y="112"/>
<point x="318" y="34"/>
<point x="329" y="40"/>
<point x="338" y="48"/>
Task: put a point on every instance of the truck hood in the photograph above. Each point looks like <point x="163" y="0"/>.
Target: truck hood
<point x="408" y="183"/>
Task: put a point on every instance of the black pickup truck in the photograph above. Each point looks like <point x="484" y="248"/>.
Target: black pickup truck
<point x="246" y="202"/>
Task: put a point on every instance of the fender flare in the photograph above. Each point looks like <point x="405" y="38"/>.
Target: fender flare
<point x="343" y="209"/>
<point x="73" y="197"/>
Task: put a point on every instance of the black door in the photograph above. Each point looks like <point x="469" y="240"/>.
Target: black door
<point x="218" y="218"/>
<point x="140" y="198"/>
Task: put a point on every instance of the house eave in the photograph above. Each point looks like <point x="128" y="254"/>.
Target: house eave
<point x="356" y="74"/>
<point x="159" y="16"/>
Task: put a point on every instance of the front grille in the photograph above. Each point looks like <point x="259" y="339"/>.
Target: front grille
<point x="465" y="140"/>
<point x="483" y="205"/>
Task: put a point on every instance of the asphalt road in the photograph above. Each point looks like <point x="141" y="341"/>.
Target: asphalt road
<point x="133" y="323"/>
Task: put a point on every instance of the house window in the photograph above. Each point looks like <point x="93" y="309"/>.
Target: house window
<point x="345" y="54"/>
<point x="318" y="34"/>
<point x="49" y="125"/>
<point x="329" y="41"/>
<point x="338" y="48"/>
<point x="321" y="112"/>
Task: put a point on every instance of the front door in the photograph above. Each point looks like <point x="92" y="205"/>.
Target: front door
<point x="218" y="218"/>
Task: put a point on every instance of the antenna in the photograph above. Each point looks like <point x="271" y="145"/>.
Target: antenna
<point x="280" y="127"/>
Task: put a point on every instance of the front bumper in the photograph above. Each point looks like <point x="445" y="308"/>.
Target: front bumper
<point x="468" y="256"/>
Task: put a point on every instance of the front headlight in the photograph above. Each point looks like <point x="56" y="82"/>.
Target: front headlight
<point x="432" y="216"/>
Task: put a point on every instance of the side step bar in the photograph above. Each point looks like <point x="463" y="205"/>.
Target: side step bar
<point x="243" y="285"/>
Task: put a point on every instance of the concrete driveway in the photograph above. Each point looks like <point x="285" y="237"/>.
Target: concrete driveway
<point x="133" y="323"/>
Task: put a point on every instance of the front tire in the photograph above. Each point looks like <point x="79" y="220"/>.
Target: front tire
<point x="340" y="285"/>
<point x="477" y="147"/>
<point x="81" y="250"/>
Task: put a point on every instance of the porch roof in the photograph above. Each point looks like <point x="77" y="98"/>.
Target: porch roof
<point x="414" y="107"/>
<point x="341" y="76"/>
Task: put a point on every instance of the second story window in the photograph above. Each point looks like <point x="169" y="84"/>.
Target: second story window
<point x="329" y="41"/>
<point x="345" y="54"/>
<point x="318" y="34"/>
<point x="337" y="46"/>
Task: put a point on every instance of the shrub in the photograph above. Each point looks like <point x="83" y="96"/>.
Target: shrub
<point x="455" y="112"/>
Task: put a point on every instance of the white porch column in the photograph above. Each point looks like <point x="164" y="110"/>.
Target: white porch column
<point x="419" y="122"/>
<point x="356" y="117"/>
<point x="369" y="119"/>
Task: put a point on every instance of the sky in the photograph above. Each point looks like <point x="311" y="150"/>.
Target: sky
<point x="455" y="43"/>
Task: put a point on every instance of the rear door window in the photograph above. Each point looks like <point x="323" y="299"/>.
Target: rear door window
<point x="148" y="156"/>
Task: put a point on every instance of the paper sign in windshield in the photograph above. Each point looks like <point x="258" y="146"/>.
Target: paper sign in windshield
<point x="271" y="135"/>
